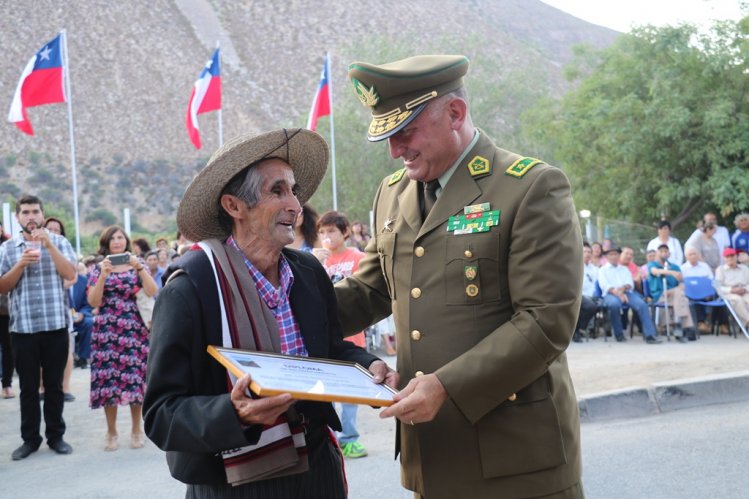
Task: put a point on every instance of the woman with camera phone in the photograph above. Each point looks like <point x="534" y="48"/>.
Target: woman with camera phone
<point x="119" y="340"/>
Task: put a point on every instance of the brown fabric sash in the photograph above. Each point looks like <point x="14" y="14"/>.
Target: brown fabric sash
<point x="281" y="449"/>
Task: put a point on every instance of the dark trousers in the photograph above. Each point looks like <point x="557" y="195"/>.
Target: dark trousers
<point x="719" y="315"/>
<point x="7" y="351"/>
<point x="587" y="310"/>
<point x="323" y="480"/>
<point x="83" y="338"/>
<point x="47" y="350"/>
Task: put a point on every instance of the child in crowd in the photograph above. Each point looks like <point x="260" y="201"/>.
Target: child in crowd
<point x="340" y="261"/>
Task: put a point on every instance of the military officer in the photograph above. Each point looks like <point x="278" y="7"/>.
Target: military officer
<point x="476" y="253"/>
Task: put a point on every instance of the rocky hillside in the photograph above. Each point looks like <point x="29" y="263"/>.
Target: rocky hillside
<point x="132" y="65"/>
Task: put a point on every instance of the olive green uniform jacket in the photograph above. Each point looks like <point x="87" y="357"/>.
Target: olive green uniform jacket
<point x="510" y="427"/>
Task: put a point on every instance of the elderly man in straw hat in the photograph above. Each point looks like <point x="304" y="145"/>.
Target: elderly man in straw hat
<point x="476" y="251"/>
<point x="240" y="287"/>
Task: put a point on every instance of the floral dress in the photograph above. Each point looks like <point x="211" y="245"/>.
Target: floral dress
<point x="119" y="343"/>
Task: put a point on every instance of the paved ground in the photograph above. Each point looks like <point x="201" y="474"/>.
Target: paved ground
<point x="596" y="367"/>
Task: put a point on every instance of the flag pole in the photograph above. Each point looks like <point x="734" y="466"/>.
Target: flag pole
<point x="332" y="129"/>
<point x="220" y="109"/>
<point x="69" y="98"/>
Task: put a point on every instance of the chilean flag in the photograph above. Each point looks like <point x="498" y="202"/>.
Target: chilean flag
<point x="205" y="97"/>
<point x="321" y="104"/>
<point x="41" y="83"/>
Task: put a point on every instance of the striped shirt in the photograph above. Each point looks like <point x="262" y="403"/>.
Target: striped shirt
<point x="38" y="302"/>
<point x="277" y="300"/>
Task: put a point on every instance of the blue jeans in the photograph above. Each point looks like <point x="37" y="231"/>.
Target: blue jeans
<point x="348" y="422"/>
<point x="83" y="338"/>
<point x="614" y="306"/>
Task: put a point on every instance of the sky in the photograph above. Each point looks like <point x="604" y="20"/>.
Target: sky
<point x="622" y="14"/>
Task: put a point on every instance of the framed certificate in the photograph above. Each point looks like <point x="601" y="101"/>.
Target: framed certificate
<point x="305" y="378"/>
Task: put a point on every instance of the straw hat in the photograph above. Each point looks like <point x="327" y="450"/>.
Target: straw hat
<point x="305" y="151"/>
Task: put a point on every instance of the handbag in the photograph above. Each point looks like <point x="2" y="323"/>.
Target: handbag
<point x="145" y="306"/>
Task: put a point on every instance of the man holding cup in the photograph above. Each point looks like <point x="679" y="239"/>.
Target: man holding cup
<point x="33" y="265"/>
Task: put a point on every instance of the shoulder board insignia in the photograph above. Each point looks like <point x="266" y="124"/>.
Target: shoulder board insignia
<point x="395" y="177"/>
<point x="479" y="166"/>
<point x="522" y="166"/>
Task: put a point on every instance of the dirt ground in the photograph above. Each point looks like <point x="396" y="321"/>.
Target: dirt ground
<point x="598" y="366"/>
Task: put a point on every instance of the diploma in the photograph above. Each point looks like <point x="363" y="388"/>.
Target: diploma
<point x="305" y="378"/>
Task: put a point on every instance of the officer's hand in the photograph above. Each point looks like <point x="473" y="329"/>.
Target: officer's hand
<point x="419" y="401"/>
<point x="383" y="374"/>
<point x="263" y="411"/>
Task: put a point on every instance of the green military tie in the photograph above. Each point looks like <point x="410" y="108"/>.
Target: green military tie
<point x="430" y="196"/>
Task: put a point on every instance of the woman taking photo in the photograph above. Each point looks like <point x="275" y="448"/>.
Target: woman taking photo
<point x="119" y="341"/>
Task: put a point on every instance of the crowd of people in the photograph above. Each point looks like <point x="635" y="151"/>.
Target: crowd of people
<point x="49" y="296"/>
<point x="485" y="303"/>
<point x="614" y="282"/>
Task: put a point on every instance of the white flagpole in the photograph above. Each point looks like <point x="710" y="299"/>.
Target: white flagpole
<point x="332" y="129"/>
<point x="69" y="98"/>
<point x="221" y="109"/>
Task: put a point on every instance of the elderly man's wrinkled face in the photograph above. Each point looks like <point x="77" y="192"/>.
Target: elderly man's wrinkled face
<point x="273" y="217"/>
<point x="743" y="224"/>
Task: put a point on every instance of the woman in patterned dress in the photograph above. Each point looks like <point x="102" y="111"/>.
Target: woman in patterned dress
<point x="119" y="341"/>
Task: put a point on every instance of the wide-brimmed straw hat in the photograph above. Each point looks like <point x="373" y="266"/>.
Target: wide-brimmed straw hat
<point x="305" y="151"/>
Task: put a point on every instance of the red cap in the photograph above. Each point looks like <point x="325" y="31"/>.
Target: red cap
<point x="729" y="252"/>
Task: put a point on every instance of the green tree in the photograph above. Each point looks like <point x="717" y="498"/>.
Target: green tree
<point x="659" y="124"/>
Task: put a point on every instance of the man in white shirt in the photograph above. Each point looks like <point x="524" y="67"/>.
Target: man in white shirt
<point x="733" y="280"/>
<point x="664" y="237"/>
<point x="617" y="287"/>
<point x="694" y="267"/>
<point x="588" y="304"/>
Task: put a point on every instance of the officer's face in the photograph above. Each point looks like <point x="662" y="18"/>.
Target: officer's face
<point x="429" y="144"/>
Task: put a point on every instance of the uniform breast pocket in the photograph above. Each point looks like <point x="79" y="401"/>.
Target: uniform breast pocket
<point x="472" y="269"/>
<point x="386" y="251"/>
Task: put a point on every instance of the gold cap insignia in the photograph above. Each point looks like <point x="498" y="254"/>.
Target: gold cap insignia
<point x="522" y="166"/>
<point x="367" y="95"/>
<point x="472" y="290"/>
<point x="479" y="166"/>
<point x="395" y="177"/>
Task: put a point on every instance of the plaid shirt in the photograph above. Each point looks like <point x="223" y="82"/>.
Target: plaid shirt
<point x="38" y="302"/>
<point x="277" y="300"/>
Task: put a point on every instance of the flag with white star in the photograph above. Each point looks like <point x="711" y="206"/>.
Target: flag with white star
<point x="41" y="83"/>
<point x="205" y="97"/>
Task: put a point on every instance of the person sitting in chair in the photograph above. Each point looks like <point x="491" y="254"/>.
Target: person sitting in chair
<point x="661" y="272"/>
<point x="617" y="287"/>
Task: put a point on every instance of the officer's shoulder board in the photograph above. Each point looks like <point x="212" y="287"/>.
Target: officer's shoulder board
<point x="396" y="177"/>
<point x="522" y="166"/>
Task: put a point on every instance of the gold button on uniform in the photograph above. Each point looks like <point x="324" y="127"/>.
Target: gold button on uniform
<point x="513" y="397"/>
<point x="419" y="373"/>
<point x="419" y="251"/>
<point x="415" y="292"/>
<point x="468" y="253"/>
<point x="416" y="335"/>
<point x="472" y="290"/>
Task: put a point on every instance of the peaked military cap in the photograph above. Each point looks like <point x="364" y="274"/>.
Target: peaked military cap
<point x="398" y="91"/>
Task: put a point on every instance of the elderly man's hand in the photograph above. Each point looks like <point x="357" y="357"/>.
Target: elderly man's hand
<point x="419" y="401"/>
<point x="263" y="411"/>
<point x="383" y="374"/>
